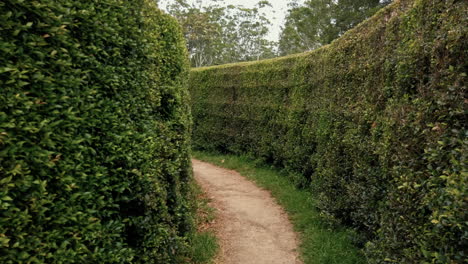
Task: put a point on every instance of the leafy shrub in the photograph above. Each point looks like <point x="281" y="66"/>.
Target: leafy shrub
<point x="94" y="164"/>
<point x="375" y="122"/>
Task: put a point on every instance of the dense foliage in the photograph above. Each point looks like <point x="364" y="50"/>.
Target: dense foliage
<point x="93" y="133"/>
<point x="314" y="23"/>
<point x="375" y="123"/>
<point x="217" y="33"/>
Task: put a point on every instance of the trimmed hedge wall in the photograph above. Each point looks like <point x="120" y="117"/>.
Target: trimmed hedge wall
<point x="375" y="123"/>
<point x="94" y="127"/>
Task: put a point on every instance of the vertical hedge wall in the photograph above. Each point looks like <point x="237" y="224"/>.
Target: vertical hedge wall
<point x="374" y="122"/>
<point x="94" y="126"/>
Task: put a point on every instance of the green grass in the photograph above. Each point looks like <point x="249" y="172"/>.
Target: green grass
<point x="321" y="242"/>
<point x="204" y="242"/>
<point x="205" y="247"/>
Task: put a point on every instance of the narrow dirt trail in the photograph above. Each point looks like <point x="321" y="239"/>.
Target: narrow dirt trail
<point x="252" y="228"/>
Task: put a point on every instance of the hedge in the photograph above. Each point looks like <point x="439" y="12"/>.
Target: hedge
<point x="375" y="123"/>
<point x="94" y="128"/>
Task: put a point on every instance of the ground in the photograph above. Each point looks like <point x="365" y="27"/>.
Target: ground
<point x="251" y="227"/>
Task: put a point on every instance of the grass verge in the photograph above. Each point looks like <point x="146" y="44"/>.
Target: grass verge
<point x="321" y="242"/>
<point x="204" y="242"/>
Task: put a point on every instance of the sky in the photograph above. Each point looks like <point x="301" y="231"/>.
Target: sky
<point x="276" y="14"/>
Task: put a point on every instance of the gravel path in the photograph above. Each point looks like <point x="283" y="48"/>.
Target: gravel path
<point x="252" y="228"/>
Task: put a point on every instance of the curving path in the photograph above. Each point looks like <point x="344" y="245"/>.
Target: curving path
<point x="252" y="228"/>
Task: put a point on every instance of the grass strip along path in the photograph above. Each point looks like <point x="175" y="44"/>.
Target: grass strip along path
<point x="319" y="241"/>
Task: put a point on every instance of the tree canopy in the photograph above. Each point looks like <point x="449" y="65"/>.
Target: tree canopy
<point x="319" y="22"/>
<point x="218" y="33"/>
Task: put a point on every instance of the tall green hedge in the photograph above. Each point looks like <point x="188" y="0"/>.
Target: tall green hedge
<point x="94" y="128"/>
<point x="375" y="123"/>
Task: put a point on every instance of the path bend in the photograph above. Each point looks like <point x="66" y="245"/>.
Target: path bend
<point x="251" y="227"/>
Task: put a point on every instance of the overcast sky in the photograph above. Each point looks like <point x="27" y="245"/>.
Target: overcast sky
<point x="275" y="14"/>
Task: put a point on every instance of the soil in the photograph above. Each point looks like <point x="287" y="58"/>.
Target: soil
<point x="251" y="227"/>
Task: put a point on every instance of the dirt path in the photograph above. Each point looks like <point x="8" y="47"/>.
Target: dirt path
<point x="252" y="228"/>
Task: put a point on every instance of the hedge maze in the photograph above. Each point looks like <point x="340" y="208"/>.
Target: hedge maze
<point x="374" y="122"/>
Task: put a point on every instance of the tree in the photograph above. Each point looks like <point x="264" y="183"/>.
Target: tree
<point x="218" y="34"/>
<point x="244" y="34"/>
<point x="319" y="22"/>
<point x="201" y="29"/>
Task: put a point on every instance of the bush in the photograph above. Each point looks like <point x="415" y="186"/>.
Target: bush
<point x="375" y="122"/>
<point x="94" y="164"/>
